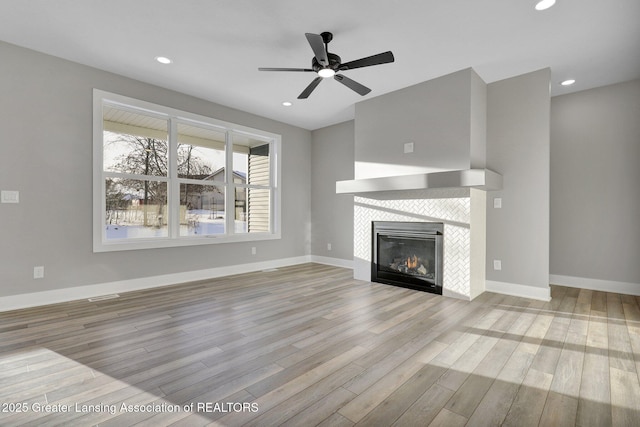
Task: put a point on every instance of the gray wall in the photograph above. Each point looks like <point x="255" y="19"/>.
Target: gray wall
<point x="45" y="153"/>
<point x="46" y="148"/>
<point x="595" y="183"/>
<point x="434" y="115"/>
<point x="518" y="148"/>
<point x="331" y="213"/>
<point x="478" y="123"/>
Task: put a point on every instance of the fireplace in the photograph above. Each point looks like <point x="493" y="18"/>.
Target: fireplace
<point x="408" y="254"/>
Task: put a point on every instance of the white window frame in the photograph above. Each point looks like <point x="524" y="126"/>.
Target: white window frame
<point x="174" y="116"/>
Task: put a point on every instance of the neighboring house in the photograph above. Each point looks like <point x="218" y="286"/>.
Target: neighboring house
<point x="238" y="177"/>
<point x="251" y="204"/>
<point x="210" y="197"/>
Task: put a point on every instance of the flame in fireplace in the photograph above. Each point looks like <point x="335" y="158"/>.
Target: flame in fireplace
<point x="412" y="262"/>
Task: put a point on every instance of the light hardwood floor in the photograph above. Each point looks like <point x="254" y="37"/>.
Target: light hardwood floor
<point x="308" y="345"/>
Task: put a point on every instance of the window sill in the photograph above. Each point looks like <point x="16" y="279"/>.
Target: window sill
<point x="140" y="244"/>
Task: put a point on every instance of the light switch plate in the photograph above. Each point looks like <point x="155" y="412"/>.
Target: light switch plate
<point x="497" y="203"/>
<point x="9" y="196"/>
<point x="408" y="147"/>
<point x="497" y="264"/>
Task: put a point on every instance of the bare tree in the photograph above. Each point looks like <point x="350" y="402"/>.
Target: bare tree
<point x="149" y="157"/>
<point x="190" y="165"/>
<point x="144" y="156"/>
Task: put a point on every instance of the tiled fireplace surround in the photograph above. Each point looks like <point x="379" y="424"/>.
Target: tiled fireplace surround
<point x="464" y="232"/>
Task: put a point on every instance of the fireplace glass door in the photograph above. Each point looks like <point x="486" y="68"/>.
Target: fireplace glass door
<point x="408" y="254"/>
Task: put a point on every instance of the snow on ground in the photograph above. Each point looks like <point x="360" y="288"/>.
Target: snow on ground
<point x="199" y="223"/>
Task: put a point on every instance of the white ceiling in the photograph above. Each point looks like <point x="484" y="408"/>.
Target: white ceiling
<point x="218" y="45"/>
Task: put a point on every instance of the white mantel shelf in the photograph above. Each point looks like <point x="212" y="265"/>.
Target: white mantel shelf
<point x="482" y="179"/>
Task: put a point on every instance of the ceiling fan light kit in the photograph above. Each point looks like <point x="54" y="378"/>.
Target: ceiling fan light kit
<point x="326" y="72"/>
<point x="327" y="65"/>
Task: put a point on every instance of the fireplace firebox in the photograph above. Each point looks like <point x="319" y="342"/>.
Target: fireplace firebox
<point x="408" y="254"/>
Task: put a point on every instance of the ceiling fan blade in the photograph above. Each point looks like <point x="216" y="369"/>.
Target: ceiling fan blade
<point x="284" y="69"/>
<point x="381" y="58"/>
<point x="352" y="84"/>
<point x="318" y="47"/>
<point x="305" y="93"/>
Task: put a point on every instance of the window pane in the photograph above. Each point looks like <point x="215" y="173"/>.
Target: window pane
<point x="201" y="153"/>
<point x="201" y="210"/>
<point x="169" y="177"/>
<point x="252" y="210"/>
<point x="135" y="209"/>
<point x="251" y="159"/>
<point x="134" y="143"/>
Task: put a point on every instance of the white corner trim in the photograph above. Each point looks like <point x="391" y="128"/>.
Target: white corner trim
<point x="336" y="262"/>
<point x="514" y="289"/>
<point x="15" y="302"/>
<point x="626" y="288"/>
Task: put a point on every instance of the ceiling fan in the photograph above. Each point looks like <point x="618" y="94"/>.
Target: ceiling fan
<point x="329" y="64"/>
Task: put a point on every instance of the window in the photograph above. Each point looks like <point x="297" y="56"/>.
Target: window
<point x="166" y="178"/>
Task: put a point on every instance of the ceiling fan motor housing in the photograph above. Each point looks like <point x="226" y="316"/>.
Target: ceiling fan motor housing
<point x="334" y="63"/>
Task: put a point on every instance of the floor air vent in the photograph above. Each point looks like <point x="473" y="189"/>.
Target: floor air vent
<point x="103" y="297"/>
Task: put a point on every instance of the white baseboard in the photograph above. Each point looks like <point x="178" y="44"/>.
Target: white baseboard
<point x="336" y="262"/>
<point x="533" y="292"/>
<point x="14" y="302"/>
<point x="626" y="288"/>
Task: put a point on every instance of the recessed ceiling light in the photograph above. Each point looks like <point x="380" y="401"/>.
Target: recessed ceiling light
<point x="326" y="72"/>
<point x="287" y="104"/>
<point x="568" y="82"/>
<point x="163" y="60"/>
<point x="545" y="4"/>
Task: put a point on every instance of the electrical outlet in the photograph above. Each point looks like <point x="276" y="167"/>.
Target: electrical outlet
<point x="9" y="196"/>
<point x="497" y="203"/>
<point x="253" y="250"/>
<point x="497" y="264"/>
<point x="38" y="272"/>
<point x="328" y="246"/>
